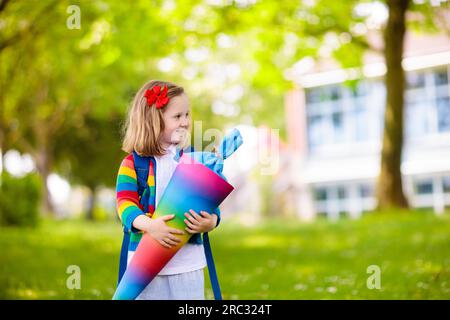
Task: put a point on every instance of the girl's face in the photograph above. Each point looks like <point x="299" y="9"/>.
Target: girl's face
<point x="176" y="120"/>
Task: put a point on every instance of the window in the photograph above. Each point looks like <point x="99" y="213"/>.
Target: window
<point x="312" y="96"/>
<point x="427" y="110"/>
<point x="320" y="194"/>
<point x="342" y="192"/>
<point x="326" y="125"/>
<point x="443" y="112"/>
<point x="417" y="119"/>
<point x="359" y="116"/>
<point x="415" y="80"/>
<point x="424" y="187"/>
<point x="366" y="191"/>
<point x="360" y="89"/>
<point x="334" y="93"/>
<point x="323" y="94"/>
<point x="441" y="77"/>
<point x="446" y="184"/>
<point x="339" y="114"/>
<point x="319" y="130"/>
<point x="338" y="126"/>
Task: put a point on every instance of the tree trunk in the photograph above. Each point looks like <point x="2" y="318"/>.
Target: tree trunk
<point x="91" y="204"/>
<point x="390" y="187"/>
<point x="43" y="166"/>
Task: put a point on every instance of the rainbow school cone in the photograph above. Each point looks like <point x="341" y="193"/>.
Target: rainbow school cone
<point x="192" y="186"/>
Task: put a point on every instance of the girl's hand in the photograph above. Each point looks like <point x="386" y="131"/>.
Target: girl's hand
<point x="198" y="223"/>
<point x="162" y="233"/>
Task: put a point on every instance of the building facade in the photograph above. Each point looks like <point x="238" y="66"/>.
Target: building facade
<point x="335" y="132"/>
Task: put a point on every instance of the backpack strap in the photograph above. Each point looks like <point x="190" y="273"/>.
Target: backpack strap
<point x="141" y="166"/>
<point x="211" y="267"/>
<point x="123" y="254"/>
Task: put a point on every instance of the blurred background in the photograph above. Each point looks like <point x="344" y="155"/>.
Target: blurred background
<point x="345" y="113"/>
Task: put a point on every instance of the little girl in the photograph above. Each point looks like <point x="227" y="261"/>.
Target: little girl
<point x="158" y="124"/>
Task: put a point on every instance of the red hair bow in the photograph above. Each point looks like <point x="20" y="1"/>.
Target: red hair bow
<point x="157" y="95"/>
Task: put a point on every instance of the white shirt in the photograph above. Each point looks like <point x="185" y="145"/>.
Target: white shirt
<point x="189" y="257"/>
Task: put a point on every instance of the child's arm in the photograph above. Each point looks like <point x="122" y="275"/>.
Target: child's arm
<point x="131" y="215"/>
<point x="199" y="223"/>
<point x="158" y="229"/>
<point x="127" y="199"/>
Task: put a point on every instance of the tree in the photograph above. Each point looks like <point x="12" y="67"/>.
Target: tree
<point x="390" y="186"/>
<point x="97" y="156"/>
<point x="403" y="15"/>
<point x="314" y="21"/>
<point x="52" y="77"/>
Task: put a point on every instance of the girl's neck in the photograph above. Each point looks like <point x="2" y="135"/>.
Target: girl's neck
<point x="166" y="146"/>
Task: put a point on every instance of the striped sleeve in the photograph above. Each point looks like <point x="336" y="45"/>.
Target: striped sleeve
<point x="127" y="199"/>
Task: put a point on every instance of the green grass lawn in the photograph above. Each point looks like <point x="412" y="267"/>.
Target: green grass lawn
<point x="277" y="259"/>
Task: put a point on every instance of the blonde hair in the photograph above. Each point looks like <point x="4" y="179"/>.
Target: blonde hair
<point x="145" y="124"/>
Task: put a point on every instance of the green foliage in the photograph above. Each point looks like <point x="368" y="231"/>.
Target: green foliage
<point x="428" y="18"/>
<point x="19" y="200"/>
<point x="64" y="92"/>
<point x="98" y="155"/>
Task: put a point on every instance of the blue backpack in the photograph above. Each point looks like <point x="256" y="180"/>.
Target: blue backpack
<point x="141" y="165"/>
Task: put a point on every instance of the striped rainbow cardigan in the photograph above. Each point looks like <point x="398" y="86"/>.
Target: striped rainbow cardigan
<point x="127" y="200"/>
